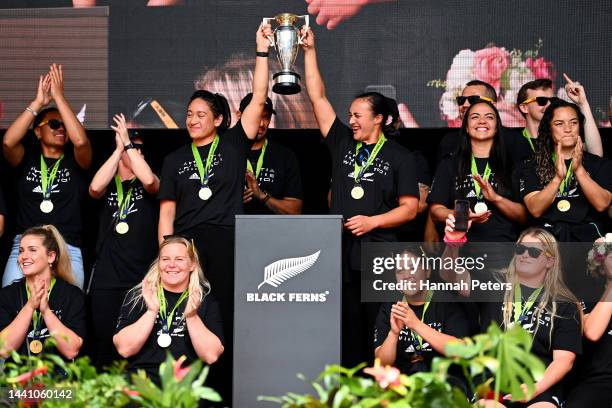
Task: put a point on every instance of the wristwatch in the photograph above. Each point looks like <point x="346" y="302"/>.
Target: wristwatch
<point x="129" y="146"/>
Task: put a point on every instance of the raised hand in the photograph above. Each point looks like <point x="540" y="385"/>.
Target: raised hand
<point x="308" y="38"/>
<point x="193" y="304"/>
<point x="57" y="81"/>
<point x="575" y="91"/>
<point x="449" y="229"/>
<point x="332" y="12"/>
<point x="120" y="128"/>
<point x="262" y="37"/>
<point x="404" y="313"/>
<point x="42" y="94"/>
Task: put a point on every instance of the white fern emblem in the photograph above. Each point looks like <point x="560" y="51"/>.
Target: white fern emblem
<point x="279" y="271"/>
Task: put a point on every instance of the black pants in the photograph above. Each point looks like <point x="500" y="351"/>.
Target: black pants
<point x="215" y="245"/>
<point x="358" y="320"/>
<point x="105" y="307"/>
<point x="591" y="394"/>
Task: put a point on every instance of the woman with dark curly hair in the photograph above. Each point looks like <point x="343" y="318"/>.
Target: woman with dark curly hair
<point x="564" y="187"/>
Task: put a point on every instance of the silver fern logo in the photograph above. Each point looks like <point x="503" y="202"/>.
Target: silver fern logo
<point x="278" y="272"/>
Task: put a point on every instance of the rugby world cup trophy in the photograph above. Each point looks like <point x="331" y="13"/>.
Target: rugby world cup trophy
<point x="286" y="40"/>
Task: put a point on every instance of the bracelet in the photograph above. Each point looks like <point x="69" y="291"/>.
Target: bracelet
<point x="266" y="198"/>
<point x="262" y="54"/>
<point x="32" y="111"/>
<point x="455" y="243"/>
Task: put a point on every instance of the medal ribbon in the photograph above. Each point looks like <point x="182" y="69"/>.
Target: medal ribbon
<point x="122" y="205"/>
<point x="47" y="179"/>
<point x="259" y="161"/>
<point x="36" y="316"/>
<point x="167" y="319"/>
<point x="518" y="311"/>
<point x="359" y="170"/>
<point x="526" y="136"/>
<point x="568" y="174"/>
<point x="203" y="171"/>
<point x="414" y="335"/>
<point x="485" y="177"/>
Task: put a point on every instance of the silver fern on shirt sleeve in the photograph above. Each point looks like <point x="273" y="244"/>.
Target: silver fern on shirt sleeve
<point x="279" y="271"/>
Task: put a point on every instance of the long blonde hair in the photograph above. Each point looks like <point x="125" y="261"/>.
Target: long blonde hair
<point x="198" y="284"/>
<point x="554" y="289"/>
<point x="53" y="241"/>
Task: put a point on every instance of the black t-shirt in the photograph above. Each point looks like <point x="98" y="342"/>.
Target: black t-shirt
<point x="66" y="301"/>
<point x="391" y="175"/>
<point x="279" y="176"/>
<point x="517" y="146"/>
<point x="180" y="182"/>
<point x="443" y="317"/>
<point x="581" y="211"/>
<point x="595" y="365"/>
<point x="446" y="188"/>
<point x="2" y="203"/>
<point x="67" y="194"/>
<point x="566" y="333"/>
<point x="152" y="355"/>
<point x="123" y="259"/>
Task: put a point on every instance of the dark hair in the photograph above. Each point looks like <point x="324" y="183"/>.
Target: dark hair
<point x="499" y="160"/>
<point x="42" y="115"/>
<point x="490" y="91"/>
<point x="540" y="83"/>
<point x="545" y="168"/>
<point x="380" y="106"/>
<point x="218" y="105"/>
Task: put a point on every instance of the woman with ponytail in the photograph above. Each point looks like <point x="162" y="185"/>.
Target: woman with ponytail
<point x="45" y="302"/>
<point x="374" y="187"/>
<point x="170" y="310"/>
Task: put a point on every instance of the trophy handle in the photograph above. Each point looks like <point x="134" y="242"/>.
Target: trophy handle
<point x="266" y="20"/>
<point x="306" y="18"/>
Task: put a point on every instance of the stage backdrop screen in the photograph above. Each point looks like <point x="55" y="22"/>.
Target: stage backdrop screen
<point x="418" y="52"/>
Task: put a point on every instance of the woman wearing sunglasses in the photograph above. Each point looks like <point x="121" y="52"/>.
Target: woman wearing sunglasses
<point x="127" y="237"/>
<point x="566" y="189"/>
<point x="482" y="173"/>
<point x="374" y="187"/>
<point x="595" y="367"/>
<point x="171" y="310"/>
<point x="540" y="302"/>
<point x="50" y="185"/>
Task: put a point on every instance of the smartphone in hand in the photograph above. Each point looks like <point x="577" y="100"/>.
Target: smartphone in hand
<point x="462" y="215"/>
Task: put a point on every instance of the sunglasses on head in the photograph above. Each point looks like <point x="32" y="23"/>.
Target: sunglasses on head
<point x="53" y="124"/>
<point x="472" y="99"/>
<point x="533" y="252"/>
<point x="540" y="100"/>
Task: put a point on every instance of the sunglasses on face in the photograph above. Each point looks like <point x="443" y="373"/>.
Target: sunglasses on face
<point x="53" y="124"/>
<point x="533" y="252"/>
<point x="540" y="100"/>
<point x="472" y="99"/>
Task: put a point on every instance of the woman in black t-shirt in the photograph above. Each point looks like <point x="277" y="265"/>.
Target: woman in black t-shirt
<point x="410" y="333"/>
<point x="595" y="367"/>
<point x="540" y="302"/>
<point x="481" y="173"/>
<point x="565" y="188"/>
<point x="45" y="300"/>
<point x="170" y="310"/>
<point x="50" y="184"/>
<point x="127" y="239"/>
<point x="374" y="187"/>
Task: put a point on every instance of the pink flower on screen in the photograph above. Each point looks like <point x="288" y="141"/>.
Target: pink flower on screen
<point x="541" y="68"/>
<point x="490" y="64"/>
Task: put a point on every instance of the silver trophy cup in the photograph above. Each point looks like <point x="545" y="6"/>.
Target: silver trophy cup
<point x="286" y="39"/>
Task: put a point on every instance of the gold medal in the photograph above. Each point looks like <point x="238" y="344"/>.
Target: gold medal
<point x="205" y="193"/>
<point x="563" y="205"/>
<point x="122" y="228"/>
<point x="480" y="208"/>
<point x="46" y="206"/>
<point x="36" y="346"/>
<point x="357" y="192"/>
